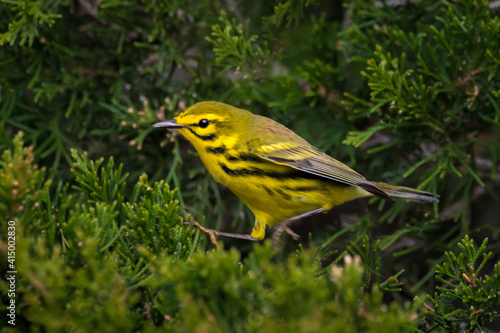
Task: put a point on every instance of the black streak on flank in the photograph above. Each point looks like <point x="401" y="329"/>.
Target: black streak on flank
<point x="268" y="190"/>
<point x="248" y="157"/>
<point x="303" y="189"/>
<point x="203" y="137"/>
<point x="216" y="150"/>
<point x="283" y="194"/>
<point x="241" y="157"/>
<point x="247" y="172"/>
<point x="293" y="174"/>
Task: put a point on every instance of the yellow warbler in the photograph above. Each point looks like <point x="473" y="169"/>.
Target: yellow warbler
<point x="277" y="174"/>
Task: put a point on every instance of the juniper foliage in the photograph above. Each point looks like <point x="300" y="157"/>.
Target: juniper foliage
<point x="405" y="92"/>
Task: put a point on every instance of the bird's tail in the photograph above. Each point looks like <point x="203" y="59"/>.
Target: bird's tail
<point x="407" y="193"/>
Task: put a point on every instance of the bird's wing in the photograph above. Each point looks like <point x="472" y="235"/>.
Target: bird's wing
<point x="304" y="157"/>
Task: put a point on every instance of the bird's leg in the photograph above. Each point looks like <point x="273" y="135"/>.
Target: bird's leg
<point x="214" y="233"/>
<point x="285" y="226"/>
<point x="239" y="236"/>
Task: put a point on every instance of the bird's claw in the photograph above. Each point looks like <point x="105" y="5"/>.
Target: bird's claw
<point x="292" y="233"/>
<point x="210" y="232"/>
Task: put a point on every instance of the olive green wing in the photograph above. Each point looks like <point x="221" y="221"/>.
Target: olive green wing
<point x="304" y="157"/>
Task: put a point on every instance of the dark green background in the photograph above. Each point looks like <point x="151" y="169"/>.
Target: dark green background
<point x="404" y="92"/>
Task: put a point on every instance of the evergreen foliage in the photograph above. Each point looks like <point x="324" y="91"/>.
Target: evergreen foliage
<point x="460" y="281"/>
<point x="405" y="92"/>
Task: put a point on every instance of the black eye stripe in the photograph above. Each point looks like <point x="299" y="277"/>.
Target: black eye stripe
<point x="209" y="122"/>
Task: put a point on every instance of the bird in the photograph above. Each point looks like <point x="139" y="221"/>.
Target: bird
<point x="275" y="172"/>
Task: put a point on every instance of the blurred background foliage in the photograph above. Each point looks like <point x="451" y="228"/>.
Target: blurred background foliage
<point x="405" y="92"/>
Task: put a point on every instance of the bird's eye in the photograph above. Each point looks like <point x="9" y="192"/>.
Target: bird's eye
<point x="203" y="123"/>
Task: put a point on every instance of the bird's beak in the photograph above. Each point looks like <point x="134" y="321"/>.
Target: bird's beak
<point x="168" y="124"/>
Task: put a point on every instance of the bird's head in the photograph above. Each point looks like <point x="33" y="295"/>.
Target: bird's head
<point x="211" y="124"/>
